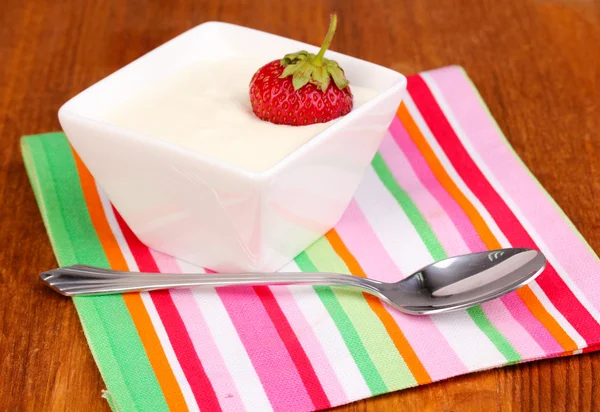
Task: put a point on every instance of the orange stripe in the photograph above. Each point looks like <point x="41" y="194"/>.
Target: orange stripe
<point x="440" y="173"/>
<point x="542" y="315"/>
<point x="133" y="301"/>
<point x="402" y="345"/>
<point x="525" y="293"/>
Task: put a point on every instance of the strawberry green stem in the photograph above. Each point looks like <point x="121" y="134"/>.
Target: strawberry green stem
<point x="305" y="67"/>
<point x="332" y="26"/>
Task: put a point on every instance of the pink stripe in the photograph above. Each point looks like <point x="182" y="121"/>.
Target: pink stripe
<point x="294" y="348"/>
<point x="207" y="350"/>
<point x="166" y="263"/>
<point x="428" y="183"/>
<point x="268" y="354"/>
<point x="305" y="334"/>
<point x="533" y="326"/>
<point x="567" y="247"/>
<point x="498" y="314"/>
<point x="440" y="222"/>
<point x="358" y="235"/>
<point x="202" y="339"/>
<point x="440" y="361"/>
<point x="428" y="179"/>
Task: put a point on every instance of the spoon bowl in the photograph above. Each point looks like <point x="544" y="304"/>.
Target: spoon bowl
<point x="451" y="284"/>
<point x="463" y="281"/>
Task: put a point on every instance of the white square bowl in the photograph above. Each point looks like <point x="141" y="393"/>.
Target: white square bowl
<point x="211" y="213"/>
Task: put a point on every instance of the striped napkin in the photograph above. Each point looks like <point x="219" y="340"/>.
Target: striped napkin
<point x="444" y="182"/>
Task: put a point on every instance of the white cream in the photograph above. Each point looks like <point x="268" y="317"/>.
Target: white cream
<point x="205" y="108"/>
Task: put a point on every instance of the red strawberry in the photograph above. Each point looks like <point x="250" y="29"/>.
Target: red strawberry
<point x="297" y="90"/>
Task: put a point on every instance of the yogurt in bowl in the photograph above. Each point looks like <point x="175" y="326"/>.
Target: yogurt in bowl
<point x="205" y="108"/>
<point x="208" y="183"/>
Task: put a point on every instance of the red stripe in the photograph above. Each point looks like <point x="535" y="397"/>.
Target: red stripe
<point x="294" y="348"/>
<point x="201" y="386"/>
<point x="290" y="342"/>
<point x="551" y="283"/>
<point x="592" y="348"/>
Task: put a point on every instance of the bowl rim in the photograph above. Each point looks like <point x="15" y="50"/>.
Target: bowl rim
<point x="65" y="112"/>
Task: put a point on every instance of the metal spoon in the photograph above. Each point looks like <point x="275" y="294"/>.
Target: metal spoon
<point x="450" y="284"/>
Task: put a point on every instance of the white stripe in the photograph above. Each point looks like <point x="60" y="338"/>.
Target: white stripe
<point x="232" y="350"/>
<point x="114" y="225"/>
<point x="454" y="242"/>
<point x="399" y="237"/>
<point x="441" y="156"/>
<point x="395" y="231"/>
<point x="316" y="315"/>
<point x="460" y="133"/>
<point x="186" y="390"/>
<point x="228" y="342"/>
<point x="469" y="342"/>
<point x="187" y="267"/>
<point x="314" y="350"/>
<point x="304" y="331"/>
<point x="330" y="339"/>
<point x="564" y="323"/>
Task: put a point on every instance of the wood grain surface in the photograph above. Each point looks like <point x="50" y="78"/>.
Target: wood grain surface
<point x="536" y="63"/>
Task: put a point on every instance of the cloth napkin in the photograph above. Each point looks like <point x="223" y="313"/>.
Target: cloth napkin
<point x="444" y="182"/>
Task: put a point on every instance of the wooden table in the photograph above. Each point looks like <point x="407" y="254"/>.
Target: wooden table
<point x="533" y="61"/>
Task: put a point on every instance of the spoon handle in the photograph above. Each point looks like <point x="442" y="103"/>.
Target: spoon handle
<point x="89" y="280"/>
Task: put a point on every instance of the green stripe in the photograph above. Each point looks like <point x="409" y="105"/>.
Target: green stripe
<point x="410" y="210"/>
<point x="377" y="342"/>
<point x="344" y="324"/>
<point x="108" y="326"/>
<point x="493" y="334"/>
<point x="437" y="252"/>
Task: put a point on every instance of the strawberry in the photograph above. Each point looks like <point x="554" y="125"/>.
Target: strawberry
<point x="297" y="90"/>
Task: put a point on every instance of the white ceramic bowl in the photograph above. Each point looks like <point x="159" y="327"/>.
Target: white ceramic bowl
<point x="205" y="211"/>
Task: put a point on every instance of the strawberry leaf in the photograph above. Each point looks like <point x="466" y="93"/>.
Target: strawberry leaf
<point x="320" y="78"/>
<point x="338" y="75"/>
<point x="289" y="70"/>
<point x="302" y="74"/>
<point x="292" y="58"/>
